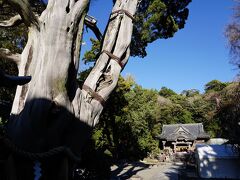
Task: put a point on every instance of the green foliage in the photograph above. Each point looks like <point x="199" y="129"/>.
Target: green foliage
<point x="91" y="56"/>
<point x="140" y="115"/>
<point x="157" y="19"/>
<point x="190" y="93"/>
<point x="190" y="106"/>
<point x="215" y="85"/>
<point x="13" y="39"/>
<point x="166" y="92"/>
<point x="7" y="94"/>
<point x="228" y="114"/>
<point x="108" y="133"/>
<point x="127" y="124"/>
<point x="134" y="117"/>
<point x="174" y="112"/>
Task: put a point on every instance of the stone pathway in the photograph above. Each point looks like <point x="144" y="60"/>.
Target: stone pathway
<point x="143" y="171"/>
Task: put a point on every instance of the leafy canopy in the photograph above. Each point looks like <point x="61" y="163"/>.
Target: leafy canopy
<point x="155" y="19"/>
<point x="215" y="85"/>
<point x="166" y="92"/>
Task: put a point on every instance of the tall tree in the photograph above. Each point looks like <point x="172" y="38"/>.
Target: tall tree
<point x="233" y="35"/>
<point x="52" y="110"/>
<point x="228" y="114"/>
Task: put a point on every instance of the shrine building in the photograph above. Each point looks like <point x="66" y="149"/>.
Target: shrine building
<point x="182" y="137"/>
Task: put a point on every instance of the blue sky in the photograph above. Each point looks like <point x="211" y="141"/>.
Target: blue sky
<point x="196" y="54"/>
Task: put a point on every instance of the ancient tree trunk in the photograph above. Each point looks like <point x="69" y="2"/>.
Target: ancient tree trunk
<point x="51" y="110"/>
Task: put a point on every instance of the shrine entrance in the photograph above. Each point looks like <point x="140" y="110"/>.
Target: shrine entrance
<point x="182" y="146"/>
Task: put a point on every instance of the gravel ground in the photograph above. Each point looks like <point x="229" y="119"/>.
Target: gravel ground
<point x="144" y="171"/>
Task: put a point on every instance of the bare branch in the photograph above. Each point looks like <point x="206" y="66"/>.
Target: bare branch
<point x="13" y="21"/>
<point x="24" y="9"/>
<point x="6" y="53"/>
<point x="91" y="23"/>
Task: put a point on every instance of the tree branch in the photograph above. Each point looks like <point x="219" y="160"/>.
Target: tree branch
<point x="114" y="55"/>
<point x="13" y="21"/>
<point x="6" y="53"/>
<point x="91" y="23"/>
<point x="103" y="77"/>
<point x="24" y="9"/>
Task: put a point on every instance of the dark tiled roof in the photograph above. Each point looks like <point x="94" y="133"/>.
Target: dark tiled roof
<point x="172" y="132"/>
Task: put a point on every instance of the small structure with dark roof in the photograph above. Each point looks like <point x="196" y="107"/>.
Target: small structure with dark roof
<point x="182" y="137"/>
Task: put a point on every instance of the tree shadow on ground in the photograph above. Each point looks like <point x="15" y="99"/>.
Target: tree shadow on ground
<point x="127" y="170"/>
<point x="172" y="174"/>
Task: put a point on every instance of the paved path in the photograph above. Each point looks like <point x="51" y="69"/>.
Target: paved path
<point x="142" y="171"/>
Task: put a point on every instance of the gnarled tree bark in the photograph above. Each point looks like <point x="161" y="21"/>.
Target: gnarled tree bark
<point x="52" y="110"/>
<point x="13" y="21"/>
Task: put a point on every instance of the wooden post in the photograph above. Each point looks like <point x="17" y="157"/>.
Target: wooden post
<point x="164" y="142"/>
<point x="174" y="147"/>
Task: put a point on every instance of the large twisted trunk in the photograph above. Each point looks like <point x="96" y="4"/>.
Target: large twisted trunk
<point x="52" y="110"/>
